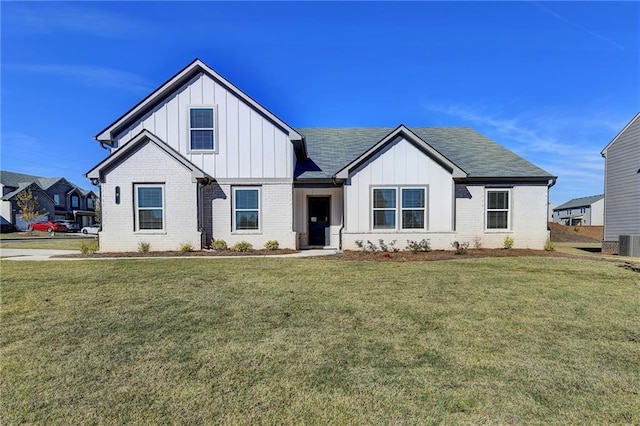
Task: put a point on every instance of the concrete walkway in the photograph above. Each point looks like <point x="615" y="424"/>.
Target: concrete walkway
<point x="43" y="254"/>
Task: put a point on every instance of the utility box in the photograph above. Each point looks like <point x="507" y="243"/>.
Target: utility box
<point x="629" y="245"/>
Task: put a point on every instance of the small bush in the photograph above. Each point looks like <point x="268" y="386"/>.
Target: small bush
<point x="89" y="248"/>
<point x="185" y="248"/>
<point x="242" y="246"/>
<point x="416" y="247"/>
<point x="219" y="245"/>
<point x="461" y="248"/>
<point x="143" y="247"/>
<point x="272" y="245"/>
<point x="477" y="243"/>
<point x="367" y="248"/>
<point x="388" y="247"/>
<point x="508" y="242"/>
<point x="548" y="246"/>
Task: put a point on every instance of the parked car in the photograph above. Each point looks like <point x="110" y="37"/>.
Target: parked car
<point x="93" y="229"/>
<point x="47" y="225"/>
<point x="71" y="226"/>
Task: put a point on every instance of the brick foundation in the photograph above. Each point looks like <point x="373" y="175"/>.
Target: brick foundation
<point x="609" y="247"/>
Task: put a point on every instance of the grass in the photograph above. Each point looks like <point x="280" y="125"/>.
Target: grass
<point x="273" y="341"/>
<point x="42" y="240"/>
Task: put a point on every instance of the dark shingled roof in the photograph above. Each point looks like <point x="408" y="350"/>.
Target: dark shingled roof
<point x="580" y="202"/>
<point x="331" y="149"/>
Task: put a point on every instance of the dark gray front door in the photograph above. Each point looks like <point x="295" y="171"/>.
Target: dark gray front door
<point x="319" y="220"/>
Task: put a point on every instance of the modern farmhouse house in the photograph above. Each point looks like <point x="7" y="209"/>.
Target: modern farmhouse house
<point x="198" y="160"/>
<point x="622" y="188"/>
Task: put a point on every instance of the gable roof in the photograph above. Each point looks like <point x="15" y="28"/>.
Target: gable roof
<point x="580" y="202"/>
<point x="143" y="137"/>
<point x="21" y="180"/>
<point x="620" y="133"/>
<point x="333" y="149"/>
<point x="157" y="96"/>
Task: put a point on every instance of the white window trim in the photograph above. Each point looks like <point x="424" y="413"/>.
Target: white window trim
<point x="215" y="129"/>
<point x="399" y="209"/>
<point x="137" y="209"/>
<point x="487" y="210"/>
<point x="233" y="210"/>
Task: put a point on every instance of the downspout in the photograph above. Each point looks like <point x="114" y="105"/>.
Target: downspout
<point x="549" y="186"/>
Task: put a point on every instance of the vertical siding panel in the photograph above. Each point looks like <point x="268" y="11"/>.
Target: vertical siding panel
<point x="221" y="158"/>
<point x="208" y="91"/>
<point x="173" y="124"/>
<point x="183" y="126"/>
<point x="160" y="125"/>
<point x="195" y="91"/>
<point x="256" y="144"/>
<point x="268" y="160"/>
<point x="244" y="141"/>
<point x="233" y="136"/>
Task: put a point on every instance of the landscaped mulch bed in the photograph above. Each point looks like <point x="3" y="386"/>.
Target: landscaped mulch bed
<point x="407" y="256"/>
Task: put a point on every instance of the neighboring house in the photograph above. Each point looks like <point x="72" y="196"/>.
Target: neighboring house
<point x="198" y="160"/>
<point x="58" y="198"/>
<point x="584" y="211"/>
<point x="622" y="186"/>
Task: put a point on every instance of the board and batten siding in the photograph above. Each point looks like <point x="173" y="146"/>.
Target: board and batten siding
<point x="399" y="164"/>
<point x="149" y="164"/>
<point x="247" y="144"/>
<point x="622" y="184"/>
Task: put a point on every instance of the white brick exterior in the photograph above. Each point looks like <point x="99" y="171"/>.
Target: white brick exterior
<point x="276" y="215"/>
<point x="149" y="164"/>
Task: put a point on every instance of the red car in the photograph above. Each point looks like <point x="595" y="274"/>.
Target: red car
<point x="47" y="225"/>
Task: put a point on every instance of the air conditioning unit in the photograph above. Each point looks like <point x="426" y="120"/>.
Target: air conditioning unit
<point x="629" y="245"/>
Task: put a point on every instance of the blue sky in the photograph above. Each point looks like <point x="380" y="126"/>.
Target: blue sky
<point x="552" y="81"/>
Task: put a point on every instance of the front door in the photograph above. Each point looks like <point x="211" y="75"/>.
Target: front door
<point x="319" y="220"/>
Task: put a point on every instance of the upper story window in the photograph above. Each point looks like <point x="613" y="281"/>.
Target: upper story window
<point x="149" y="205"/>
<point x="498" y="209"/>
<point x="202" y="129"/>
<point x="411" y="208"/>
<point x="75" y="201"/>
<point x="90" y="202"/>
<point x="246" y="209"/>
<point x="56" y="199"/>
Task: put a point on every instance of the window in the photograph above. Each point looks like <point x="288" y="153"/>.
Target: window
<point x="384" y="208"/>
<point x="56" y="199"/>
<point x="149" y="201"/>
<point x="498" y="209"/>
<point x="201" y="128"/>
<point x="75" y="201"/>
<point x="90" y="202"/>
<point x="246" y="209"/>
<point x="412" y="208"/>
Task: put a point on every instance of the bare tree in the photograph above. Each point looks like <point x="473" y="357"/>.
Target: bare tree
<point x="28" y="205"/>
<point x="97" y="215"/>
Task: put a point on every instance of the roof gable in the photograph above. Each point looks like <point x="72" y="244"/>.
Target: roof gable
<point x="620" y="133"/>
<point x="580" y="202"/>
<point x="401" y="132"/>
<point x="174" y="83"/>
<point x="141" y="138"/>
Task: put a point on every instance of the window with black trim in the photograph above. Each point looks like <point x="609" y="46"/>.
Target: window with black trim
<point x="75" y="201"/>
<point x="498" y="209"/>
<point x="202" y="128"/>
<point x="149" y="206"/>
<point x="246" y="209"/>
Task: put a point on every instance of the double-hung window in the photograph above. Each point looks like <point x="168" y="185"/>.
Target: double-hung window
<point x="246" y="209"/>
<point x="89" y="202"/>
<point x="56" y="199"/>
<point x="202" y="128"/>
<point x="149" y="202"/>
<point x="498" y="209"/>
<point x="406" y="203"/>
<point x="75" y="201"/>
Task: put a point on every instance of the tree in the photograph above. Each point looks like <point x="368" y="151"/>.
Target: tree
<point x="28" y="205"/>
<point x="97" y="215"/>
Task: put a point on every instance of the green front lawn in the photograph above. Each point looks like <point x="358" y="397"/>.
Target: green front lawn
<point x="281" y="341"/>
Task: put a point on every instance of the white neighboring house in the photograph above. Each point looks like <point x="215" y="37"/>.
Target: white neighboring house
<point x="198" y="160"/>
<point x="622" y="186"/>
<point x="583" y="211"/>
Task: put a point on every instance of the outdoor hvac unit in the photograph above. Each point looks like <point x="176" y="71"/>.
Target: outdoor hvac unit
<point x="629" y="245"/>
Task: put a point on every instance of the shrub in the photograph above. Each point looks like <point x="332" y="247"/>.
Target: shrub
<point x="272" y="245"/>
<point x="461" y="248"/>
<point x="219" y="245"/>
<point x="508" y="242"/>
<point x="185" y="247"/>
<point x="143" y="247"/>
<point x="548" y="246"/>
<point x="388" y="247"/>
<point x="415" y="246"/>
<point x="89" y="248"/>
<point x="242" y="246"/>
<point x="369" y="247"/>
<point x="477" y="243"/>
